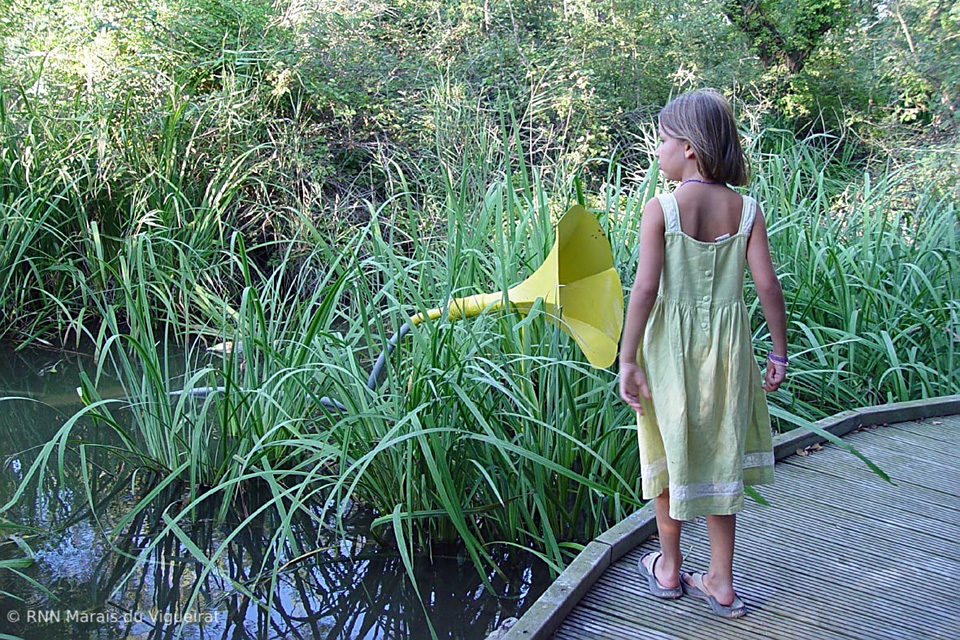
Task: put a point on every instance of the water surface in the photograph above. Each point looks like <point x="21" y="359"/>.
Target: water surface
<point x="97" y="584"/>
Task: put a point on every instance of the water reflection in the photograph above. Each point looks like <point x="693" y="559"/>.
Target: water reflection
<point x="346" y="590"/>
<point x="108" y="581"/>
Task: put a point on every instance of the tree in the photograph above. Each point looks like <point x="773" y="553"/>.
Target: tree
<point x="786" y="33"/>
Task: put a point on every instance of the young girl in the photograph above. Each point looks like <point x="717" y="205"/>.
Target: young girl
<point x="687" y="363"/>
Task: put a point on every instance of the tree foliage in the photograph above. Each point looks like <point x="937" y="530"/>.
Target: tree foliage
<point x="786" y="33"/>
<point x="339" y="91"/>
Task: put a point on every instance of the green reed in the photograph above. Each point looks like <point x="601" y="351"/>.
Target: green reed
<point x="489" y="433"/>
<point x="871" y="271"/>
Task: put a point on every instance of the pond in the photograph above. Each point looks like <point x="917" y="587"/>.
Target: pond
<point x="98" y="574"/>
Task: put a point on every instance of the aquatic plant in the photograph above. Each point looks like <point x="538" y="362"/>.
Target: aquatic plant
<point x="486" y="434"/>
<point x="870" y="265"/>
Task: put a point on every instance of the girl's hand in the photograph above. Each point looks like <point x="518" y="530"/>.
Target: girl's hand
<point x="776" y="373"/>
<point x="633" y="383"/>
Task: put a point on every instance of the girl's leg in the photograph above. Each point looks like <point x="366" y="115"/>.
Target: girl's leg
<point x="667" y="569"/>
<point x="719" y="579"/>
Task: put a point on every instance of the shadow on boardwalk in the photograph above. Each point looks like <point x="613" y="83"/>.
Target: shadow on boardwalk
<point x="839" y="555"/>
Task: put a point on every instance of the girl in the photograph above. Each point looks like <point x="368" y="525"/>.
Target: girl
<point x="686" y="363"/>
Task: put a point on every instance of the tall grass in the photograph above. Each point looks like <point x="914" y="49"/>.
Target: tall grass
<point x="490" y="434"/>
<point x="37" y="192"/>
<point x="153" y="224"/>
<point x="871" y="270"/>
<point x="86" y="205"/>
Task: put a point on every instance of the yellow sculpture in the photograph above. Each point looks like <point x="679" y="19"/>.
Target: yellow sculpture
<point x="580" y="289"/>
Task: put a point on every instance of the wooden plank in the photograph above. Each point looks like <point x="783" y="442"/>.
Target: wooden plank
<point x="850" y="611"/>
<point x="912" y="410"/>
<point x="823" y="585"/>
<point x="584" y="624"/>
<point x="758" y="564"/>
<point x="692" y="618"/>
<point x="939" y="429"/>
<point x="862" y="481"/>
<point x="921" y="462"/>
<point x="906" y="441"/>
<point x="940" y="480"/>
<point x="842" y="423"/>
<point x="601" y="625"/>
<point x="899" y="445"/>
<point x="842" y="580"/>
<point x="838" y="568"/>
<point x="844" y="568"/>
<point x="630" y="532"/>
<point x="567" y="590"/>
<point x="894" y="620"/>
<point x="952" y="420"/>
<point x="936" y="531"/>
<point x="937" y="475"/>
<point x="904" y="500"/>
<point x="843" y="507"/>
<point x="839" y="554"/>
<point x="843" y="499"/>
<point x="793" y="619"/>
<point x="904" y="490"/>
<point x="785" y="444"/>
<point x="856" y="543"/>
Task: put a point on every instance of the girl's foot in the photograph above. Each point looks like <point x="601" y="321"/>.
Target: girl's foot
<point x="668" y="588"/>
<point x="730" y="607"/>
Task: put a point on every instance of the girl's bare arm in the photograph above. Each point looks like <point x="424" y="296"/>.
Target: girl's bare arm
<point x="770" y="294"/>
<point x="642" y="296"/>
<point x="647" y="283"/>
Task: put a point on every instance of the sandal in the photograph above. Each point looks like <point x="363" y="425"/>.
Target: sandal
<point x="692" y="584"/>
<point x="657" y="589"/>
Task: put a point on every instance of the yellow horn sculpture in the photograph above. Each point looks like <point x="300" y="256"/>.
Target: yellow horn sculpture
<point x="580" y="289"/>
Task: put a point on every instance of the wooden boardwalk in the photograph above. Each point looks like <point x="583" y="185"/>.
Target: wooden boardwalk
<point x="839" y="555"/>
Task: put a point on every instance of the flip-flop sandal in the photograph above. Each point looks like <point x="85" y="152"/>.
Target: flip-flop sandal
<point x="657" y="589"/>
<point x="692" y="584"/>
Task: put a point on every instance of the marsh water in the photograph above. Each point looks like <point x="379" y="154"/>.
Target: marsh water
<point x="88" y="579"/>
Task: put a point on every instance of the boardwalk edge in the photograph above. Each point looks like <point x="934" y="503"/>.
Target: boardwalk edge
<point x="546" y="614"/>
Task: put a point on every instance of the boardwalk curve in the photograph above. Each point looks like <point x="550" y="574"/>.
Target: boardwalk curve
<point x="839" y="555"/>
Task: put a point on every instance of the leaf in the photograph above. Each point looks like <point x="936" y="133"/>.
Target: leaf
<point x="753" y="493"/>
<point x="826" y="435"/>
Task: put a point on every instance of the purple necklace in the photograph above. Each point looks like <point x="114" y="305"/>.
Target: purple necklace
<point x="698" y="180"/>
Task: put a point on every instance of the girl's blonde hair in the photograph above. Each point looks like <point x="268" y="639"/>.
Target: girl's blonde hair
<point x="704" y="119"/>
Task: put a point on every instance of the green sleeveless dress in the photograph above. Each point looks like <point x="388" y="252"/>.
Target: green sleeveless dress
<point x="705" y="432"/>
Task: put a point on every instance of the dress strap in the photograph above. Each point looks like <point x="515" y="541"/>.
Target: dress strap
<point x="671" y="214"/>
<point x="748" y="215"/>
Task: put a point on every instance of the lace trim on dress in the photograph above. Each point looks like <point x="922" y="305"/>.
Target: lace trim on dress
<point x="748" y="216"/>
<point x="671" y="214"/>
<point x="705" y="489"/>
<point x="653" y="469"/>
<point x="760" y="459"/>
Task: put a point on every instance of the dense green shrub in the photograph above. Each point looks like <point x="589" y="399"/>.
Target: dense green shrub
<point x="298" y="178"/>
